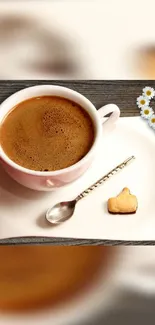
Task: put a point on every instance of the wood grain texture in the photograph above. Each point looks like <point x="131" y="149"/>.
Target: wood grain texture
<point x="121" y="92"/>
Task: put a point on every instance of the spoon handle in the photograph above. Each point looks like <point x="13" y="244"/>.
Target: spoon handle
<point x="105" y="178"/>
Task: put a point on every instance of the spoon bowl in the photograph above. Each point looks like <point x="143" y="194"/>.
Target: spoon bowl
<point x="60" y="212"/>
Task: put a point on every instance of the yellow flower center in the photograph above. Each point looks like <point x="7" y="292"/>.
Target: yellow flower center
<point x="142" y="101"/>
<point x="153" y="120"/>
<point x="148" y="93"/>
<point x="146" y="112"/>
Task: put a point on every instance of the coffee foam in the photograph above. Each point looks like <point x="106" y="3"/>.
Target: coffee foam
<point x="47" y="133"/>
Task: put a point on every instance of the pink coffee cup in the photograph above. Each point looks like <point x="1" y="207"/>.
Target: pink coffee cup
<point x="45" y="181"/>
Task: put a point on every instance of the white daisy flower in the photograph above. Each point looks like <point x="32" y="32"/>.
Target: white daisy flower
<point x="142" y="101"/>
<point x="148" y="92"/>
<point x="146" y="112"/>
<point x="152" y="121"/>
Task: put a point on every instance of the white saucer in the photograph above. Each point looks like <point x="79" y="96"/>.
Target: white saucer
<point x="22" y="210"/>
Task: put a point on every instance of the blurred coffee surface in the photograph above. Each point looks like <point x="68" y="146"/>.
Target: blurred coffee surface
<point x="34" y="277"/>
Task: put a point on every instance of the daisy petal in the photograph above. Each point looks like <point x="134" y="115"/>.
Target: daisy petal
<point x="146" y="112"/>
<point x="148" y="92"/>
<point x="142" y="101"/>
<point x="151" y="121"/>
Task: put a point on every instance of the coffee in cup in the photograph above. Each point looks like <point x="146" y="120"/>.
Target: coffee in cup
<point x="47" y="133"/>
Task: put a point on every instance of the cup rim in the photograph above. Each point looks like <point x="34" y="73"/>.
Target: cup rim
<point x="95" y="119"/>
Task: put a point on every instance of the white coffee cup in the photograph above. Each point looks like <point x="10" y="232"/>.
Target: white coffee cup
<point x="46" y="181"/>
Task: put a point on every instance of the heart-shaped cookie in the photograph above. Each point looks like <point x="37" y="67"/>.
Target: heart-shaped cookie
<point x="124" y="203"/>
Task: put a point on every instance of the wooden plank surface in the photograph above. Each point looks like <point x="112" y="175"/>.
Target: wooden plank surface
<point x="121" y="92"/>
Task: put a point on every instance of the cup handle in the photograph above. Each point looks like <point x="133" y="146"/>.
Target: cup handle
<point x="107" y="109"/>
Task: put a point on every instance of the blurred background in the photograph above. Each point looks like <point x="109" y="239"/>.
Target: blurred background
<point x="96" y="39"/>
<point x="89" y="39"/>
<point x="94" y="285"/>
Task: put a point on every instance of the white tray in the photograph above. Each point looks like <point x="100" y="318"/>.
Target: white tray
<point x="22" y="210"/>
